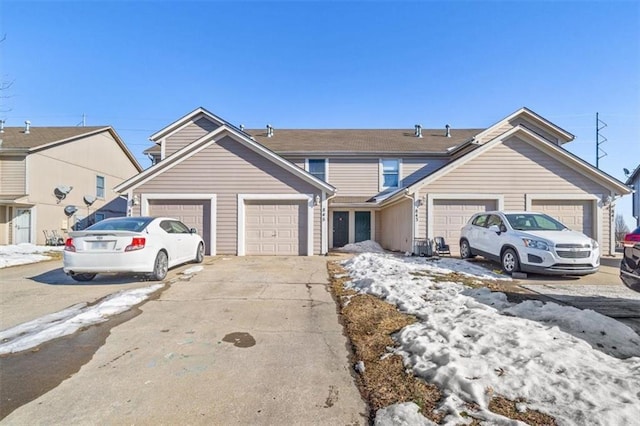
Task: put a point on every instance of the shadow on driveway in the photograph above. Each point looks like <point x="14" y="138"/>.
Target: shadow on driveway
<point x="58" y="277"/>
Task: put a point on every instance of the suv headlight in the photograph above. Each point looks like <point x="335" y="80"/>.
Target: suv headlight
<point x="536" y="244"/>
<point x="594" y="244"/>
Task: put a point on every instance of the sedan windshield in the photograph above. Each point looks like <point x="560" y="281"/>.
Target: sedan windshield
<point x="534" y="222"/>
<point x="135" y="224"/>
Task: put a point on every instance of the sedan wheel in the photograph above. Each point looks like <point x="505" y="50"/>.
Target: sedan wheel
<point x="160" y="267"/>
<point x="83" y="277"/>
<point x="510" y="262"/>
<point x="199" y="254"/>
<point x="465" y="250"/>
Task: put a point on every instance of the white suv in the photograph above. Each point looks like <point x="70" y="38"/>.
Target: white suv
<point x="529" y="242"/>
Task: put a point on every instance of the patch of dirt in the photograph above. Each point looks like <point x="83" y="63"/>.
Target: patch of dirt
<point x="370" y="323"/>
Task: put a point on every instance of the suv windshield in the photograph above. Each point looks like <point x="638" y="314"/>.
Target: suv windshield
<point x="534" y="222"/>
<point x="135" y="224"/>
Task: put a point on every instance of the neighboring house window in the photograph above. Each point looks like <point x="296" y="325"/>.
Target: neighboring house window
<point x="390" y="173"/>
<point x="318" y="168"/>
<point x="100" y="186"/>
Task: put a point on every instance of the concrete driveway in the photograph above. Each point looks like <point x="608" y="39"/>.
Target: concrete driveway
<point x="246" y="341"/>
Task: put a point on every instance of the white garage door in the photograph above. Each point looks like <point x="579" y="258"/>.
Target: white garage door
<point x="575" y="214"/>
<point x="191" y="212"/>
<point x="449" y="216"/>
<point x="275" y="228"/>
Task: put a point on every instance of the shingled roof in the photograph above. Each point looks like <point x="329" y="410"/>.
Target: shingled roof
<point x="16" y="138"/>
<point x="361" y="140"/>
<point x="356" y="141"/>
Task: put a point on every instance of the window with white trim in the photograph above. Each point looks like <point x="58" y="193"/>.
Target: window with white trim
<point x="389" y="173"/>
<point x="318" y="168"/>
<point x="100" y="186"/>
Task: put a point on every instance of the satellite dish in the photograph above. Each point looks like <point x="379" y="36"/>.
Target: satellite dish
<point x="626" y="171"/>
<point x="70" y="210"/>
<point x="61" y="191"/>
<point x="89" y="199"/>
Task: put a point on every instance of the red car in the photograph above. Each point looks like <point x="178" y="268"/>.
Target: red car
<point x="630" y="265"/>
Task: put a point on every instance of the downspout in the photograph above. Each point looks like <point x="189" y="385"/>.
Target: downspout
<point x="413" y="217"/>
<point x="325" y="219"/>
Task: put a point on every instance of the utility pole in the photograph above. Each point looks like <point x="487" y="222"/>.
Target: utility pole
<point x="600" y="139"/>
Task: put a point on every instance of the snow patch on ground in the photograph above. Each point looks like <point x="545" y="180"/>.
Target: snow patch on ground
<point x="22" y="254"/>
<point x="368" y="246"/>
<point x="33" y="333"/>
<point x="473" y="344"/>
<point x="192" y="270"/>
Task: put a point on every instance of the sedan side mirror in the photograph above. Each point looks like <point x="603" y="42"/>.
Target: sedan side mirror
<point x="193" y="230"/>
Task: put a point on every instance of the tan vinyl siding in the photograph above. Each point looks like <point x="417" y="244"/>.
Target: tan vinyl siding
<point x="13" y="175"/>
<point x="354" y="176"/>
<point x="188" y="134"/>
<point x="228" y="168"/>
<point x="394" y="232"/>
<point x="515" y="168"/>
<point x="298" y="161"/>
<point x="414" y="169"/>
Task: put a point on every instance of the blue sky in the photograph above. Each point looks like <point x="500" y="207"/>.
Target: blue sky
<point x="138" y="66"/>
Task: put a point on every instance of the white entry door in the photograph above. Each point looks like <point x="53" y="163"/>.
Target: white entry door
<point x="23" y="226"/>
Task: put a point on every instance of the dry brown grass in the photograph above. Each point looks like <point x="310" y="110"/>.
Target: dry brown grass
<point x="369" y="323"/>
<point x="54" y="254"/>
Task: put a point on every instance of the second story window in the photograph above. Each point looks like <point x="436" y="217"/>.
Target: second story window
<point x="318" y="168"/>
<point x="390" y="173"/>
<point x="100" y="186"/>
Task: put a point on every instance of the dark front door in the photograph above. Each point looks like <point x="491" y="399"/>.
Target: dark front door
<point x="340" y="229"/>
<point x="363" y="226"/>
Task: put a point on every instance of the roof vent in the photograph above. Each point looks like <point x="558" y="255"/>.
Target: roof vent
<point x="242" y="127"/>
<point x="1" y="126"/>
<point x="27" y="126"/>
<point x="418" y="133"/>
<point x="269" y="131"/>
<point x="448" y="134"/>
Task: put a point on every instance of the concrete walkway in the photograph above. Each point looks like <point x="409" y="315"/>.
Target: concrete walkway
<point x="246" y="341"/>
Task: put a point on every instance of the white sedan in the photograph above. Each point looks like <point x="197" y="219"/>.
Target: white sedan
<point x="149" y="245"/>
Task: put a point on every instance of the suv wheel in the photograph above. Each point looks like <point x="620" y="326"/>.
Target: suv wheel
<point x="510" y="262"/>
<point x="465" y="250"/>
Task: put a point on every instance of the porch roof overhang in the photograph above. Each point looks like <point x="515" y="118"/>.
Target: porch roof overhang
<point x="14" y="200"/>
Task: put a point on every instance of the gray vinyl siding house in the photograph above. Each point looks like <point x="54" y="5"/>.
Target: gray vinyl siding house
<point x="36" y="161"/>
<point x="307" y="191"/>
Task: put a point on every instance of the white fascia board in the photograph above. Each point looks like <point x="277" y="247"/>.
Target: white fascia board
<point x="169" y="162"/>
<point x="284" y="163"/>
<point x="184" y="121"/>
<point x="206" y="140"/>
<point x="532" y="115"/>
<point x="567" y="158"/>
<point x="309" y="198"/>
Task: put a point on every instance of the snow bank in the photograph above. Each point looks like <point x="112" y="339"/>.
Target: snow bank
<point x="33" y="333"/>
<point x="21" y="254"/>
<point x="473" y="344"/>
<point x="368" y="246"/>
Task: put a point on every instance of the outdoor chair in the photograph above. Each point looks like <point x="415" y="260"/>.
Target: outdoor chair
<point x="441" y="246"/>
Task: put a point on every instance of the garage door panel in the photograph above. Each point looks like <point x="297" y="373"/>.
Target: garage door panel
<point x="575" y="214"/>
<point x="449" y="216"/>
<point x="191" y="212"/>
<point x="275" y="227"/>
